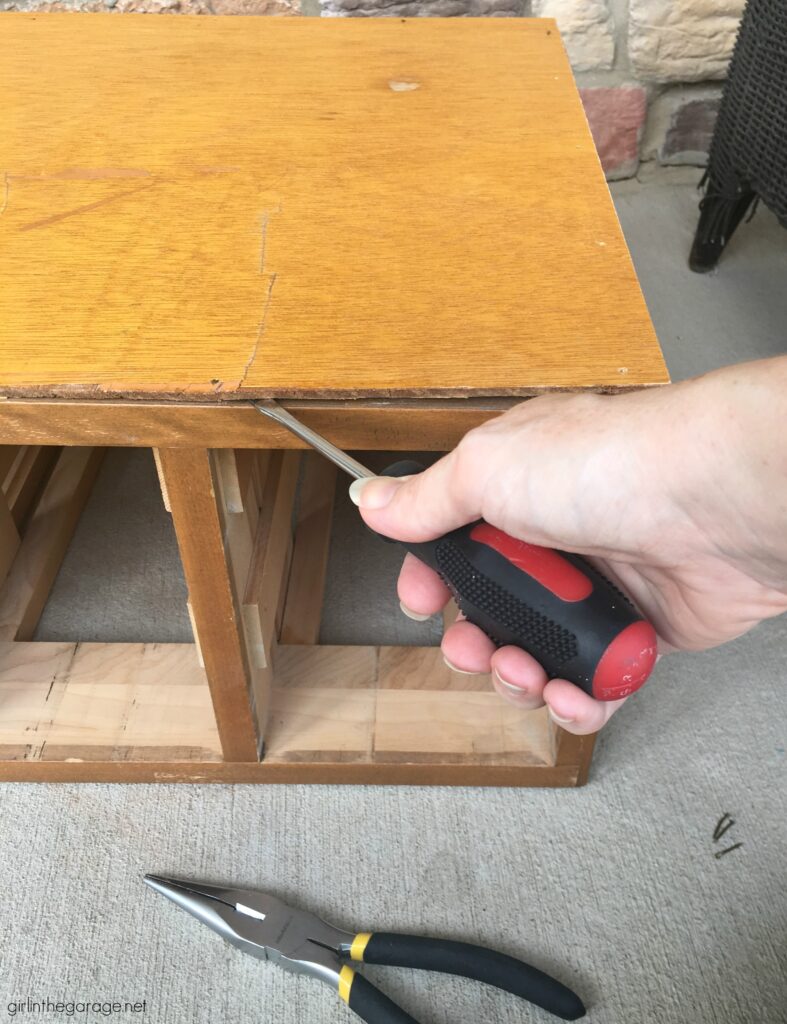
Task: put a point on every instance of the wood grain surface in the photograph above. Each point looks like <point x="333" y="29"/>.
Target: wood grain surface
<point x="312" y="543"/>
<point x="115" y="766"/>
<point x="191" y="487"/>
<point x="403" y="424"/>
<point x="117" y="701"/>
<point x="229" y="207"/>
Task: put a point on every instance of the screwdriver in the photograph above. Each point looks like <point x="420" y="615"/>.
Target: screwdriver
<point x="552" y="604"/>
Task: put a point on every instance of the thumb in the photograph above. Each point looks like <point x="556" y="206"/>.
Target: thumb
<point x="420" y="507"/>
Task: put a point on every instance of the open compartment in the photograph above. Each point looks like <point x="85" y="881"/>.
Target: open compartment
<point x="72" y="701"/>
<point x="255" y="696"/>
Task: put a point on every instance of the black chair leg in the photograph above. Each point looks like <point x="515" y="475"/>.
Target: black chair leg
<point x="719" y="217"/>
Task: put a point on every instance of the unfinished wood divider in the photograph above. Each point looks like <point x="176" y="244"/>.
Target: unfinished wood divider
<point x="104" y="702"/>
<point x="394" y="705"/>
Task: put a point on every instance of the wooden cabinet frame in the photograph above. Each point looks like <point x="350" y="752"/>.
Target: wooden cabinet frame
<point x="255" y="698"/>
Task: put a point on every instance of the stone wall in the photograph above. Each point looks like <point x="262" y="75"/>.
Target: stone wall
<point x="649" y="71"/>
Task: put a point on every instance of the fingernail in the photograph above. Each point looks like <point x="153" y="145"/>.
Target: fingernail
<point x="373" y="491"/>
<point x="558" y="719"/>
<point x="417" y="616"/>
<point x="461" y="671"/>
<point x="516" y="691"/>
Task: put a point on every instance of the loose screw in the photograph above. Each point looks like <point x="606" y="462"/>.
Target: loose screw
<point x="722" y="825"/>
<point x="727" y="849"/>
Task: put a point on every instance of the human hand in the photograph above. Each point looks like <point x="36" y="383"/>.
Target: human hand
<point x="657" y="488"/>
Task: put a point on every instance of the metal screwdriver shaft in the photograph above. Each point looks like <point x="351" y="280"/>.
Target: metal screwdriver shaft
<point x="268" y="407"/>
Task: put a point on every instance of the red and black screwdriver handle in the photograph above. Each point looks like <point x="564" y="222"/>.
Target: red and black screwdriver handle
<point x="447" y="957"/>
<point x="552" y="604"/>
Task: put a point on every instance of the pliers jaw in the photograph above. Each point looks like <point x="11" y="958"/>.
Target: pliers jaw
<point x="262" y="926"/>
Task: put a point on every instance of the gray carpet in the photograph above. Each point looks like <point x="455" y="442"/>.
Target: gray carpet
<point x="614" y="888"/>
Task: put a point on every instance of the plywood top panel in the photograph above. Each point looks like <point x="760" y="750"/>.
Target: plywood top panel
<point x="230" y="207"/>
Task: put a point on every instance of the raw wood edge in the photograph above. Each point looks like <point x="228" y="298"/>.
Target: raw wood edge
<point x="308" y="570"/>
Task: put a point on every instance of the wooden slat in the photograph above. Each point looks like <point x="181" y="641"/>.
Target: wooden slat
<point x="161" y="481"/>
<point x="389" y="426"/>
<point x="239" y="514"/>
<point x="345" y="255"/>
<point x="9" y="538"/>
<point x="260" y="466"/>
<point x="105" y="702"/>
<point x="228" y="474"/>
<point x="195" y="514"/>
<point x="241" y="493"/>
<point x="306" y="584"/>
<point x="14" y="768"/>
<point x="267" y="576"/>
<point x="8" y="456"/>
<point x="195" y="634"/>
<point x="25" y="479"/>
<point x="46" y="539"/>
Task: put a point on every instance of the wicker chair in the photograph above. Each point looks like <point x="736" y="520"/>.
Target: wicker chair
<point x="748" y="155"/>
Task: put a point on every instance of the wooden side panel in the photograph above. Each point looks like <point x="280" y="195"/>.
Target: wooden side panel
<point x="192" y="488"/>
<point x="306" y="585"/>
<point x="46" y="539"/>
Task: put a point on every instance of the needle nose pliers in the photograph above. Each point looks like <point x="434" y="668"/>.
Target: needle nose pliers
<point x="269" y="929"/>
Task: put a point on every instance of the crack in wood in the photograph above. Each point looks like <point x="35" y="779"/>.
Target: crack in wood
<point x="266" y="306"/>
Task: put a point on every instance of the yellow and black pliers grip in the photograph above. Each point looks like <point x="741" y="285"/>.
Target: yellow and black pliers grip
<point x="446" y="957"/>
